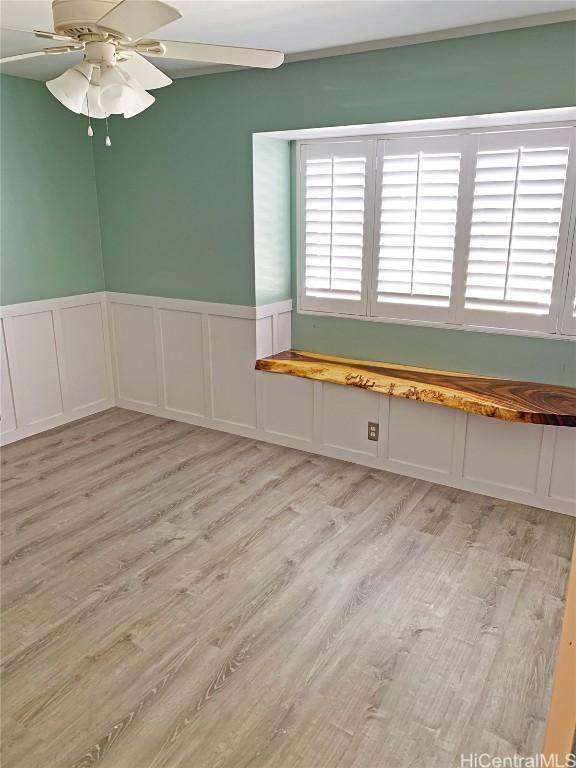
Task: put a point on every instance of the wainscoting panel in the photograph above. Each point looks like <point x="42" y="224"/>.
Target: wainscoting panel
<point x="232" y="355"/>
<point x="8" y="416"/>
<point x="134" y="342"/>
<point x="31" y="347"/>
<point x="345" y="416"/>
<point x="194" y="362"/>
<point x="563" y="474"/>
<point x="183" y="361"/>
<point x="56" y="363"/>
<point x="282" y="331"/>
<point x="264" y="336"/>
<point x="420" y="435"/>
<point x="288" y="407"/>
<point x="85" y="364"/>
<point x="502" y="453"/>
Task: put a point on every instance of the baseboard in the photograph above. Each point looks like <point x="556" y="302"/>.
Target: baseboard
<point x="57" y="421"/>
<point x="419" y="473"/>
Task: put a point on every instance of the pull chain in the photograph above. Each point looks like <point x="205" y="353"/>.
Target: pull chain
<point x="108" y="141"/>
<point x="90" y="131"/>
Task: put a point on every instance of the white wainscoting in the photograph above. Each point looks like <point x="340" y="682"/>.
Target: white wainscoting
<point x="526" y="463"/>
<point x="194" y="362"/>
<point x="56" y="364"/>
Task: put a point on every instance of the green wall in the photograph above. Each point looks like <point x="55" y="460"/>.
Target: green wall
<point x="272" y="171"/>
<point x="50" y="233"/>
<point x="175" y="190"/>
<point x="179" y="219"/>
<point x="515" y="357"/>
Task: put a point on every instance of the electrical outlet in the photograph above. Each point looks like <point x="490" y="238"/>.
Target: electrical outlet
<point x="373" y="429"/>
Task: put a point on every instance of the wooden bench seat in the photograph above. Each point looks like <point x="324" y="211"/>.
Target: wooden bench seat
<point x="487" y="396"/>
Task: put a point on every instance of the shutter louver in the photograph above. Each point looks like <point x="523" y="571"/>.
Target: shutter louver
<point x="334" y="221"/>
<point x="517" y="208"/>
<point x="417" y="227"/>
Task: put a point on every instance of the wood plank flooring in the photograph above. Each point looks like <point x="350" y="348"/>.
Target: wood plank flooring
<point x="175" y="597"/>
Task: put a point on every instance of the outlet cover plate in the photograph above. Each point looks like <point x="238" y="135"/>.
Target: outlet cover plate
<point x="373" y="430"/>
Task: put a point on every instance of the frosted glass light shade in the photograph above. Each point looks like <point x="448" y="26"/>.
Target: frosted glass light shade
<point x="71" y="88"/>
<point x="141" y="98"/>
<point x="116" y="96"/>
<point x="91" y="105"/>
<point x="143" y="101"/>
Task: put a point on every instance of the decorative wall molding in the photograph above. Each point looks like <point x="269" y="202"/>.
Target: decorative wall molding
<point x="194" y="362"/>
<point x="56" y="363"/>
<point x="202" y="307"/>
<point x="192" y="359"/>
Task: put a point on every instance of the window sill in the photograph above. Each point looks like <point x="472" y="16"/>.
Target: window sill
<point x="432" y="324"/>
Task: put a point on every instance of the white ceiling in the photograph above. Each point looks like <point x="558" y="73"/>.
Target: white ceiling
<point x="292" y="26"/>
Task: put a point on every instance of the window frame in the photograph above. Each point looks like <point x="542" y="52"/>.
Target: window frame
<point x="558" y="323"/>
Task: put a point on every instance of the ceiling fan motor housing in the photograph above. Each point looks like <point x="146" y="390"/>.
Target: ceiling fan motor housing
<point x="100" y="53"/>
<point x="79" y="17"/>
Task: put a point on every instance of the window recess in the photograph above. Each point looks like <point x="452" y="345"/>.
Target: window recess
<point x="469" y="229"/>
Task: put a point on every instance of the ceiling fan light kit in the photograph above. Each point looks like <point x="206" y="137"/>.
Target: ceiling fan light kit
<point x="91" y="106"/>
<point x="71" y="88"/>
<point x="114" y="77"/>
<point x="116" y="96"/>
<point x="140" y="99"/>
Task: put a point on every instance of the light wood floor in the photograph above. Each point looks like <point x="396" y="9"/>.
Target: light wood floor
<point x="178" y="597"/>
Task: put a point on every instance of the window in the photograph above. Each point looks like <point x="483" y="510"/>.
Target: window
<point x="469" y="229"/>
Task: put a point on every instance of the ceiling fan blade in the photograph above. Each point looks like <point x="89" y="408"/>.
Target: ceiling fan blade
<point x="136" y="18"/>
<point x="19" y="56"/>
<point x="37" y="33"/>
<point x="144" y="71"/>
<point x="220" y="54"/>
<point x="45" y="52"/>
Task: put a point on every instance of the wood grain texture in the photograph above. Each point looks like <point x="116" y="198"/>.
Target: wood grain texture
<point x="499" y="398"/>
<point x="175" y="597"/>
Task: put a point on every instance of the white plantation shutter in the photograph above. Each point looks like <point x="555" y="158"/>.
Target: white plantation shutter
<point x="467" y="229"/>
<point x="336" y="192"/>
<point x="418" y="186"/>
<point x="513" y="270"/>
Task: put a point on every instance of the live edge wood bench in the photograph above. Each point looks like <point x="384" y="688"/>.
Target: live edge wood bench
<point x="486" y="396"/>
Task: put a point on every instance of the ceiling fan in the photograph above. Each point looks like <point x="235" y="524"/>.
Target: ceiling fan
<point x="114" y="77"/>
